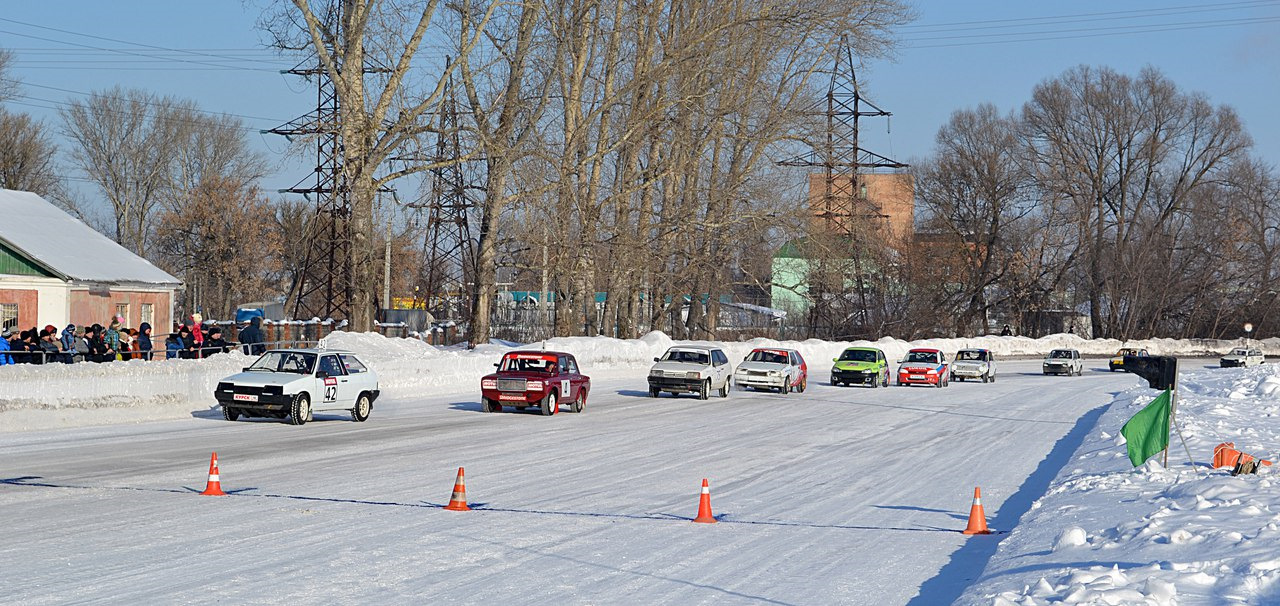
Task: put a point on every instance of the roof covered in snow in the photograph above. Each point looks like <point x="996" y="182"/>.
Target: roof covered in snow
<point x="68" y="248"/>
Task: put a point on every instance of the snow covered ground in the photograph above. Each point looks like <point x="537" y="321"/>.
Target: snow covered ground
<point x="837" y="495"/>
<point x="1106" y="533"/>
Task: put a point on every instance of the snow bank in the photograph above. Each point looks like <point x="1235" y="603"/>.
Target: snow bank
<point x="42" y="397"/>
<point x="1107" y="533"/>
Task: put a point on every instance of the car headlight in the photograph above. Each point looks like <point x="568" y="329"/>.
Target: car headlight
<point x="692" y="375"/>
<point x="489" y="384"/>
<point x="931" y="372"/>
<point x="775" y="373"/>
<point x="655" y="373"/>
<point x="534" y="386"/>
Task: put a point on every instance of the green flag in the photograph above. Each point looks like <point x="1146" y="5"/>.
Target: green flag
<point x="1148" y="431"/>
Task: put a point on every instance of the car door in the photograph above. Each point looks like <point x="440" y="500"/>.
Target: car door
<point x="359" y="377"/>
<point x="564" y="379"/>
<point x="720" y="368"/>
<point x="578" y="381"/>
<point x="333" y="384"/>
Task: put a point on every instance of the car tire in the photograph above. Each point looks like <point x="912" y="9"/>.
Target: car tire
<point x="875" y="382"/>
<point x="653" y="393"/>
<point x="581" y="402"/>
<point x="804" y="383"/>
<point x="360" y="413"/>
<point x="835" y="383"/>
<point x="550" y="404"/>
<point x="490" y="405"/>
<point x="786" y="386"/>
<point x="704" y="390"/>
<point x="724" y="390"/>
<point x="300" y="409"/>
<point x="230" y="413"/>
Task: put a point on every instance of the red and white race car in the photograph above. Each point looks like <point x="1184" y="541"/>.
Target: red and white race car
<point x="541" y="379"/>
<point x="924" y="366"/>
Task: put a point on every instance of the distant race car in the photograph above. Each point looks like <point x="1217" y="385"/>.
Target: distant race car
<point x="1242" y="356"/>
<point x="295" y="383"/>
<point x="1117" y="361"/>
<point x="1063" y="362"/>
<point x="691" y="369"/>
<point x="771" y="368"/>
<point x="865" y="365"/>
<point x="924" y="366"/>
<point x="535" y="378"/>
<point x="974" y="364"/>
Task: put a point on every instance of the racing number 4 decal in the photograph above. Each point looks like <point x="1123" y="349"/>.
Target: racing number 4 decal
<point x="564" y="388"/>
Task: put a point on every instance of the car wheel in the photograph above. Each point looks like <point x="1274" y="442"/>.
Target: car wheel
<point x="724" y="390"/>
<point x="875" y="382"/>
<point x="550" y="404"/>
<point x="786" y="386"/>
<point x="363" y="407"/>
<point x="992" y="377"/>
<point x="491" y="405"/>
<point x="803" y="384"/>
<point x="704" y="390"/>
<point x="300" y="410"/>
<point x="885" y="381"/>
<point x="230" y="413"/>
<point x="653" y="393"/>
<point x="581" y="402"/>
<point x="835" y="383"/>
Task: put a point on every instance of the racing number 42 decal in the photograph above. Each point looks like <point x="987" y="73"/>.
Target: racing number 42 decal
<point x="330" y="389"/>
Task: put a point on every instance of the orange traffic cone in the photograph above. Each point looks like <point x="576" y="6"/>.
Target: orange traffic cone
<point x="458" y="502"/>
<point x="977" y="517"/>
<point x="214" y="487"/>
<point x="704" y="505"/>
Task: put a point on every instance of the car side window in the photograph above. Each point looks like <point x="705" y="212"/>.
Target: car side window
<point x="718" y="358"/>
<point x="571" y="365"/>
<point x="352" y="365"/>
<point x="329" y="365"/>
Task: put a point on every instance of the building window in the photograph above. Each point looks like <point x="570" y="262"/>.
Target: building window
<point x="8" y="315"/>
<point x="122" y="312"/>
<point x="148" y="313"/>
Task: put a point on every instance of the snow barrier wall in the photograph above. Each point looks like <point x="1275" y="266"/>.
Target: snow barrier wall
<point x="58" y="395"/>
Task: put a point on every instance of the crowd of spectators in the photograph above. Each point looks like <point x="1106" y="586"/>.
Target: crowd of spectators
<point x="96" y="343"/>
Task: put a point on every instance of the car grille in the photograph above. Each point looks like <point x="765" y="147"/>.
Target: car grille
<point x="511" y="384"/>
<point x="758" y="373"/>
<point x="269" y="390"/>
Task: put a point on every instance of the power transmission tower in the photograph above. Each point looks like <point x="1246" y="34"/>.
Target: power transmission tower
<point x="448" y="247"/>
<point x="844" y="207"/>
<point x="324" y="284"/>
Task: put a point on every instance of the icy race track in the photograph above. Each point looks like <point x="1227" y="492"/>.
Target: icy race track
<point x="834" y="496"/>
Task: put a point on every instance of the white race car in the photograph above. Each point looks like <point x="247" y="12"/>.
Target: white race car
<point x="295" y="383"/>
<point x="772" y="368"/>
<point x="1242" y="356"/>
<point x="974" y="364"/>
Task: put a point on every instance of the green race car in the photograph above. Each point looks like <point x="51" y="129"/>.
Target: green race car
<point x="866" y="365"/>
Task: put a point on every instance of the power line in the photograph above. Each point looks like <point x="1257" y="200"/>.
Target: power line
<point x="1121" y="28"/>
<point x="1111" y="15"/>
<point x="139" y="44"/>
<point x="82" y="93"/>
<point x="1136" y="30"/>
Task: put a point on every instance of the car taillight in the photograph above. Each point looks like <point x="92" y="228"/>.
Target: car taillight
<point x="489" y="384"/>
<point x="534" y="385"/>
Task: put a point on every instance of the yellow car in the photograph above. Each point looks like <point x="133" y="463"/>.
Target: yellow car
<point x="1117" y="362"/>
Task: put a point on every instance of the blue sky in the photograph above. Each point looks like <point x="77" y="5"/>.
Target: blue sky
<point x="955" y="55"/>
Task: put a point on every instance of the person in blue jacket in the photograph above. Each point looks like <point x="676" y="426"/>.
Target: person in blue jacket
<point x="173" y="346"/>
<point x="5" y="359"/>
<point x="144" y="340"/>
<point x="68" y="343"/>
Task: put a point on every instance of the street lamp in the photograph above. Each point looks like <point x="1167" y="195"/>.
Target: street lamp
<point x="1248" y="328"/>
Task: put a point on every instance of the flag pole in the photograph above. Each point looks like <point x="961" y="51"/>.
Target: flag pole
<point x="1173" y="410"/>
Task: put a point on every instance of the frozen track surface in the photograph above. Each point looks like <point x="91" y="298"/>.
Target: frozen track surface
<point x="838" y="495"/>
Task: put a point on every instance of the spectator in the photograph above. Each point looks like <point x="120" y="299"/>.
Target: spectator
<point x="82" y="345"/>
<point x="251" y="338"/>
<point x="49" y="346"/>
<point x="1006" y="331"/>
<point x="5" y="358"/>
<point x="98" y="350"/>
<point x="197" y="331"/>
<point x="68" y="343"/>
<point x="214" y="343"/>
<point x="29" y="342"/>
<point x="144" y="340"/>
<point x="127" y="343"/>
<point x="112" y="339"/>
<point x="189" y="350"/>
<point x="173" y="346"/>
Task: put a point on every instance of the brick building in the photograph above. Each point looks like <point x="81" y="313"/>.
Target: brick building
<point x="56" y="270"/>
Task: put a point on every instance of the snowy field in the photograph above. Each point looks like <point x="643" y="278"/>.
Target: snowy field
<point x="1106" y="533"/>
<point x="835" y="496"/>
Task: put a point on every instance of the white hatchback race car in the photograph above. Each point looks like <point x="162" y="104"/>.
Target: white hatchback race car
<point x="783" y="370"/>
<point x="974" y="364"/>
<point x="294" y="383"/>
<point x="1242" y="356"/>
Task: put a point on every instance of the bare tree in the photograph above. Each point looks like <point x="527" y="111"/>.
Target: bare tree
<point x="27" y="156"/>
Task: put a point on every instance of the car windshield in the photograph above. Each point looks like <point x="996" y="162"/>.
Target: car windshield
<point x="518" y="363"/>
<point x="1239" y="352"/>
<point x="684" y="355"/>
<point x="1060" y="353"/>
<point x="969" y="354"/>
<point x="858" y="355"/>
<point x="771" y="357"/>
<point x="922" y="356"/>
<point x="1127" y="352"/>
<point x="285" y="361"/>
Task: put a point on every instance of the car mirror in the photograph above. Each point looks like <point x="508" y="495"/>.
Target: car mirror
<point x="245" y="369"/>
<point x="497" y="364"/>
<point x="655" y="359"/>
<point x="320" y="374"/>
<point x="835" y="359"/>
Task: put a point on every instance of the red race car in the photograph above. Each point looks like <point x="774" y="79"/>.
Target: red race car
<point x="924" y="366"/>
<point x="535" y="378"/>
